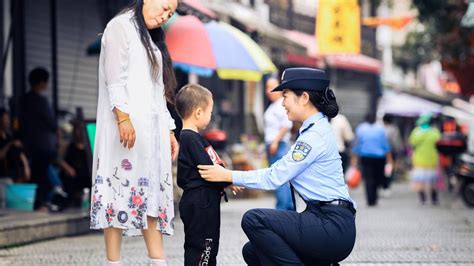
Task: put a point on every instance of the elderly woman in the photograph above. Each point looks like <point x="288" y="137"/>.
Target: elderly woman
<point x="132" y="183"/>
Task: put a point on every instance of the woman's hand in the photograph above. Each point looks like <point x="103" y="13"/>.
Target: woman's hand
<point x="126" y="130"/>
<point x="215" y="173"/>
<point x="174" y="146"/>
<point x="127" y="134"/>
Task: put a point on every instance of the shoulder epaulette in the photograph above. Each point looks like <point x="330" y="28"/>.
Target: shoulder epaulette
<point x="307" y="128"/>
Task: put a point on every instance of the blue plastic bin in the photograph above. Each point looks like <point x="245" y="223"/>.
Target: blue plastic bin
<point x="20" y="196"/>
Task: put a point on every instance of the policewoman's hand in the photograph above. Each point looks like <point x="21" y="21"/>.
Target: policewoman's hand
<point x="215" y="173"/>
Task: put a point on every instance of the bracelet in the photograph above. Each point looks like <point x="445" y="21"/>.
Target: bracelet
<point x="120" y="122"/>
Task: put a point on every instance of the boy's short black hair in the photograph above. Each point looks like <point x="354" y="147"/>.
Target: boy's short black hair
<point x="190" y="97"/>
<point x="37" y="76"/>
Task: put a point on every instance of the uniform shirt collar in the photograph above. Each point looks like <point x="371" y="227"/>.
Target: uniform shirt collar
<point x="311" y="120"/>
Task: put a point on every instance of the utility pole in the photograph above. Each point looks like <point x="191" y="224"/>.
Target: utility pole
<point x="19" y="87"/>
<point x="54" y="55"/>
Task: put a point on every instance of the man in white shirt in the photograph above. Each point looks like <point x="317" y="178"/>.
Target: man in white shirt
<point x="277" y="138"/>
<point x="344" y="135"/>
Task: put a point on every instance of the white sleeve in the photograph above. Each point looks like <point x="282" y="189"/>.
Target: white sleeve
<point x="116" y="56"/>
<point x="347" y="129"/>
<point x="171" y="124"/>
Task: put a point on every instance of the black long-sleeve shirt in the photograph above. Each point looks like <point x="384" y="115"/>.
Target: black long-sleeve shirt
<point x="38" y="124"/>
<point x="195" y="150"/>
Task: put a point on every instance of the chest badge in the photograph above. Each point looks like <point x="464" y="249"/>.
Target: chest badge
<point x="300" y="151"/>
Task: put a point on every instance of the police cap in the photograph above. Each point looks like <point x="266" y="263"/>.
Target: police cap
<point x="303" y="78"/>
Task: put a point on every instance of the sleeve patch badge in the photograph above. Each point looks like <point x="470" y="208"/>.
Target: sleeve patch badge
<point x="213" y="155"/>
<point x="300" y="151"/>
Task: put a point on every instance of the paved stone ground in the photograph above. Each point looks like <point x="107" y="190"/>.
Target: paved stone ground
<point x="397" y="232"/>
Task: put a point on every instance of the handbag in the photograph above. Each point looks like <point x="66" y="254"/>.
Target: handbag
<point x="353" y="177"/>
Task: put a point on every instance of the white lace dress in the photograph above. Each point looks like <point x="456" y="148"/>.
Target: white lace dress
<point x="129" y="185"/>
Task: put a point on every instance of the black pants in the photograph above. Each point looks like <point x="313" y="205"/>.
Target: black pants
<point x="201" y="214"/>
<point x="373" y="174"/>
<point x="40" y="162"/>
<point x="318" y="236"/>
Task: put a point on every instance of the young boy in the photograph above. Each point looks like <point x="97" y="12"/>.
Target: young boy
<point x="200" y="204"/>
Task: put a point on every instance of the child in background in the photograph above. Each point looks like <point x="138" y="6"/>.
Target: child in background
<point x="200" y="203"/>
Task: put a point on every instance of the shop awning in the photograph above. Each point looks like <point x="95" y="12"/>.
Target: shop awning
<point x="255" y="21"/>
<point x="460" y="115"/>
<point x="358" y="62"/>
<point x="404" y="104"/>
<point x="301" y="59"/>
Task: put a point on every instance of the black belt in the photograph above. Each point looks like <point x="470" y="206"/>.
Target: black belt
<point x="340" y="202"/>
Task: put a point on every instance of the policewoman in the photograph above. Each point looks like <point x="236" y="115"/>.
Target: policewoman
<point x="322" y="229"/>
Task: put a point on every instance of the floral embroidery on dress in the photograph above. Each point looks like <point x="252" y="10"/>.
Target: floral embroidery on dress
<point x="137" y="202"/>
<point x="95" y="208"/>
<point x="109" y="214"/>
<point x="162" y="217"/>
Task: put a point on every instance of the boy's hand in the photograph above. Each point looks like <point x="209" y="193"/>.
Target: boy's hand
<point x="174" y="146"/>
<point x="235" y="189"/>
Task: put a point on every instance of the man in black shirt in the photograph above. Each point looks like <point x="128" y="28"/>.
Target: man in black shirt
<point x="200" y="204"/>
<point x="38" y="129"/>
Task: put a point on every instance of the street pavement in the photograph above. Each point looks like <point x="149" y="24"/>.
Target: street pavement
<point x="399" y="231"/>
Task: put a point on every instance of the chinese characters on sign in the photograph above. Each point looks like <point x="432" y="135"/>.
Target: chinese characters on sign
<point x="338" y="27"/>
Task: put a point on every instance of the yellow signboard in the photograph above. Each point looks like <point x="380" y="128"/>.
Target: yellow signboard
<point x="338" y="27"/>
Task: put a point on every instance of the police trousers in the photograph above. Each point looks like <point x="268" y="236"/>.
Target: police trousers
<point x="321" y="235"/>
<point x="200" y="212"/>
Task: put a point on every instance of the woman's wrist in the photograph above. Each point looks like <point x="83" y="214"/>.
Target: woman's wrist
<point x="120" y="115"/>
<point x="123" y="120"/>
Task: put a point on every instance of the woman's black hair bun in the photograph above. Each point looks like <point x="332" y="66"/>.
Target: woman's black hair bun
<point x="330" y="107"/>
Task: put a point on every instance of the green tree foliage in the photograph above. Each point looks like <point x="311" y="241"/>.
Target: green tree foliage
<point x="442" y="37"/>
